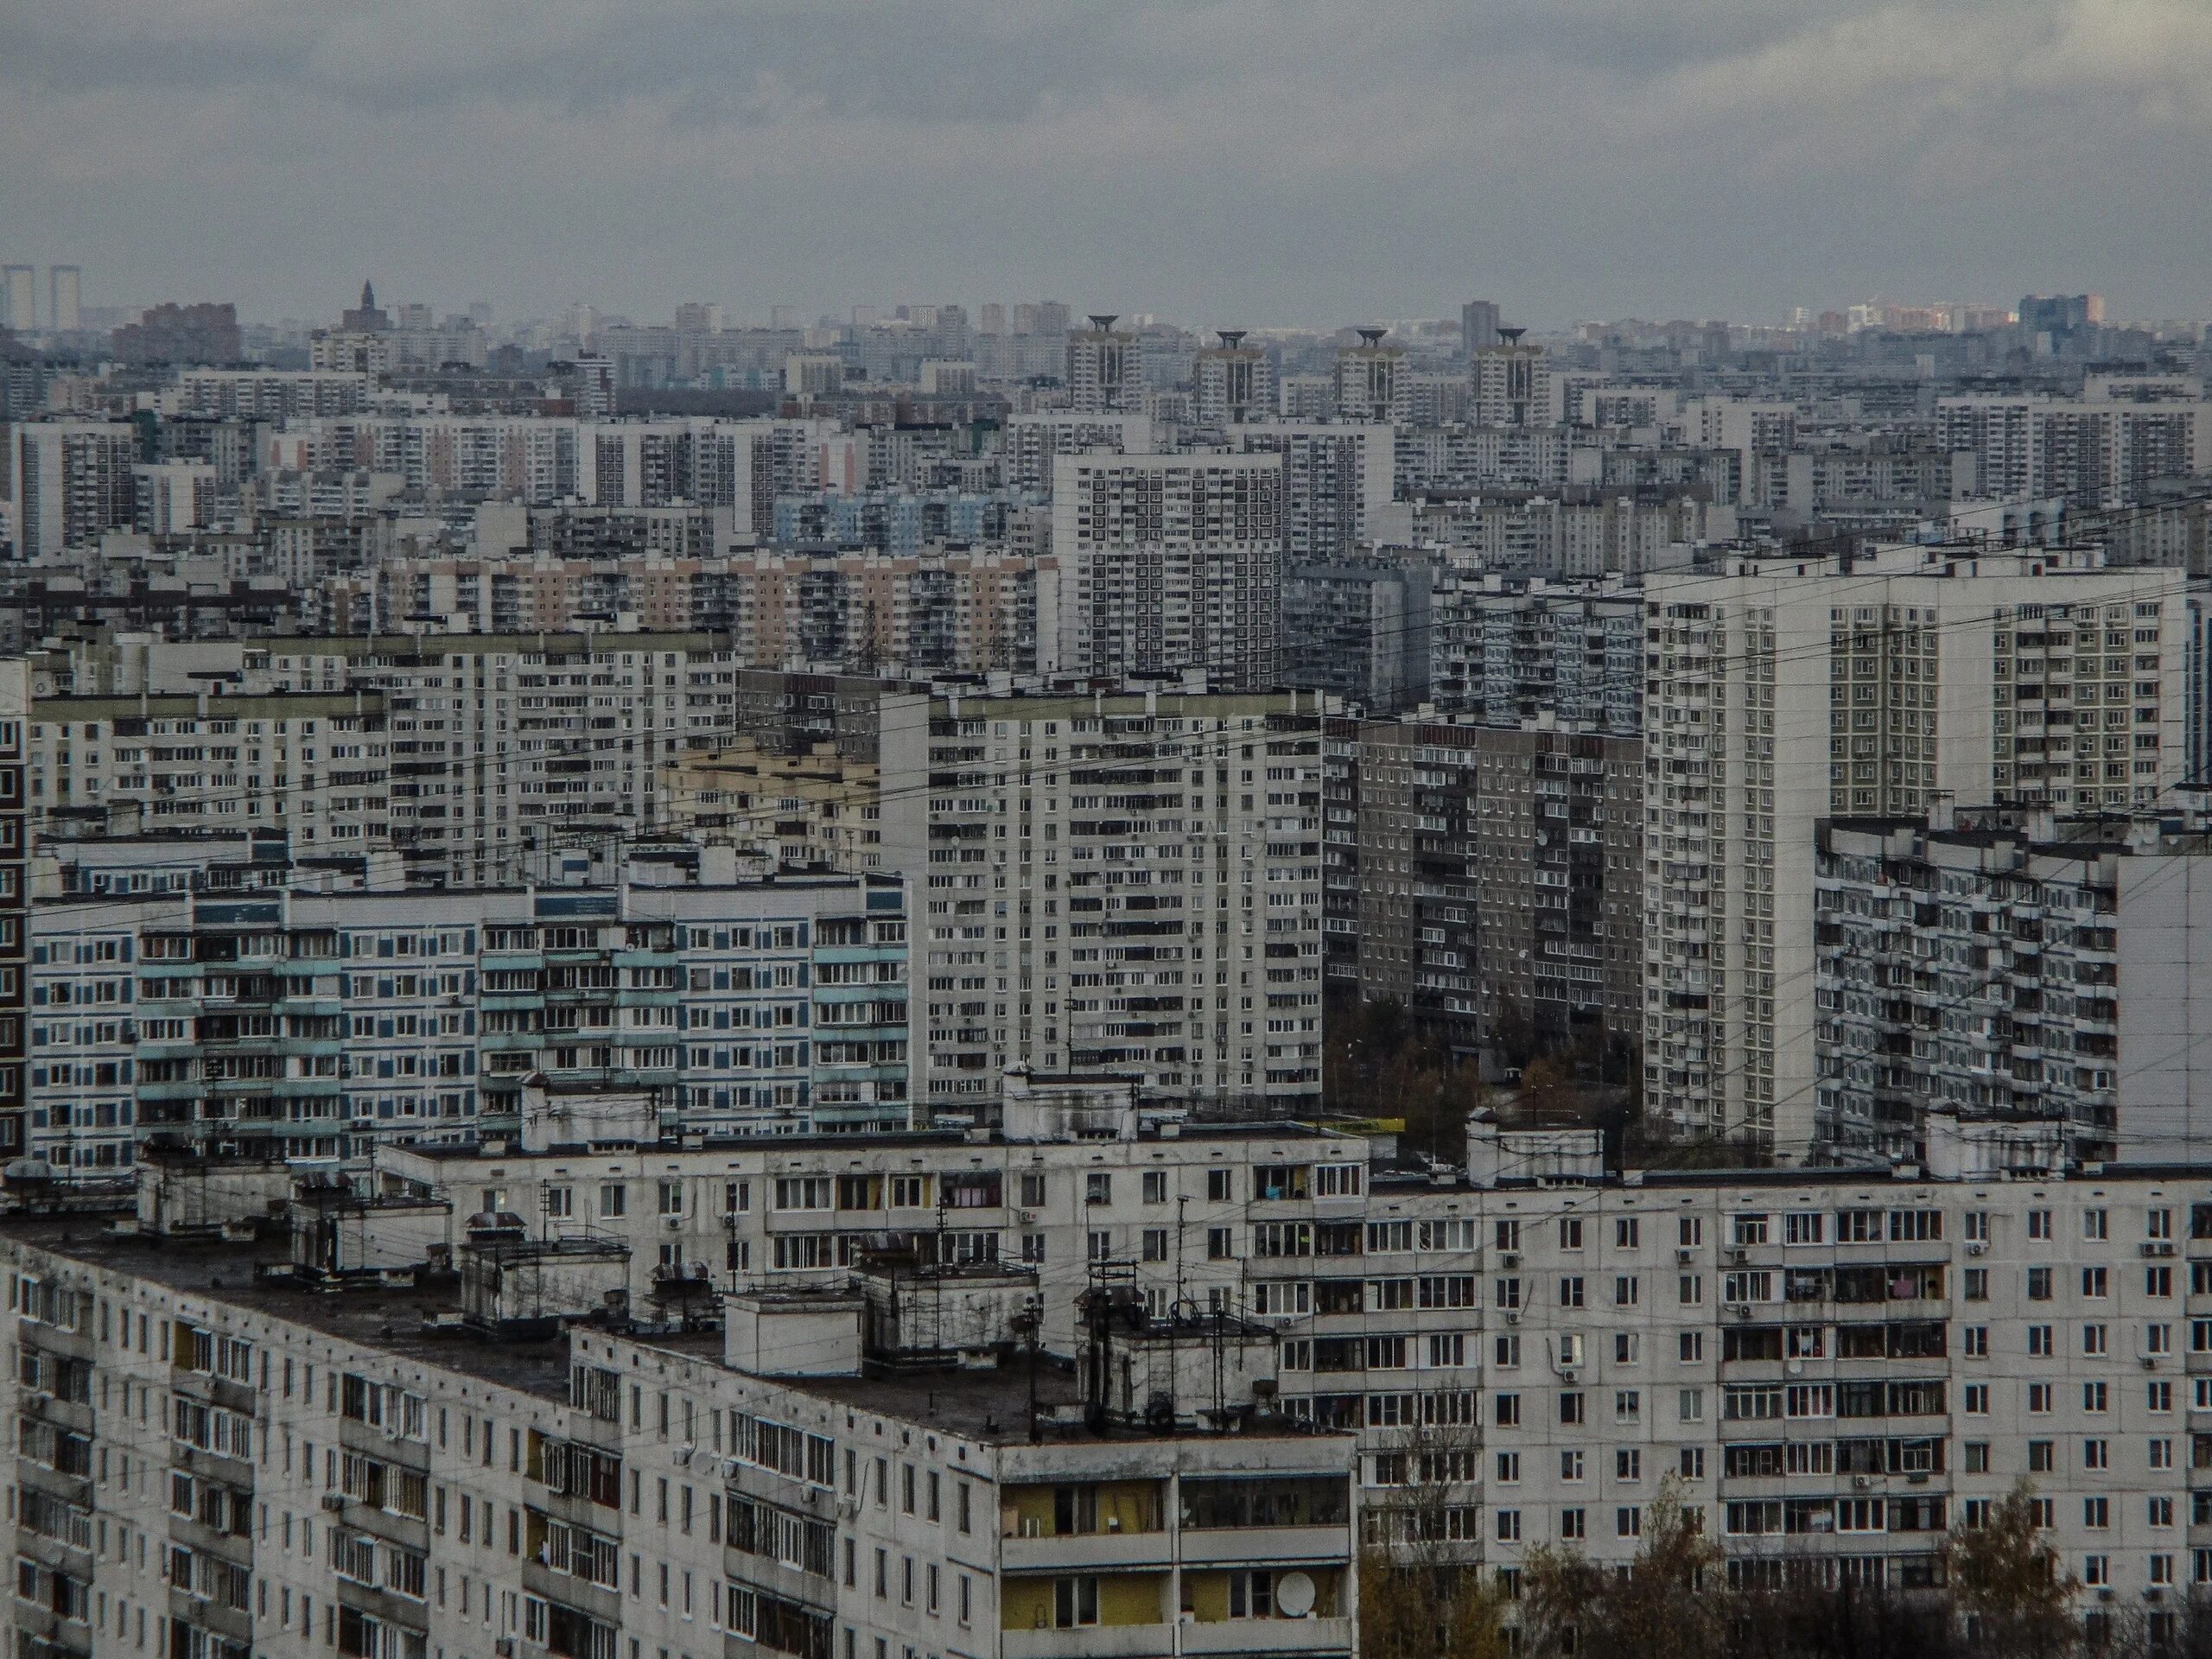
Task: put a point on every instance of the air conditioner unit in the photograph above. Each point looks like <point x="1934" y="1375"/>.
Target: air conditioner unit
<point x="2150" y="1362"/>
<point x="333" y="1501"/>
<point x="1741" y="1310"/>
<point x="674" y="1224"/>
<point x="1686" y="1256"/>
<point x="2159" y="1247"/>
<point x="1739" y="1256"/>
<point x="1977" y="1249"/>
<point x="1509" y="1258"/>
<point x="1860" y="1483"/>
<point x="505" y="1647"/>
<point x="730" y="1466"/>
<point x="684" y="1457"/>
<point x="1024" y="1218"/>
<point x="1513" y="1316"/>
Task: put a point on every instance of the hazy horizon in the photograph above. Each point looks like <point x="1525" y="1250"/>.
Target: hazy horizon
<point x="1268" y="163"/>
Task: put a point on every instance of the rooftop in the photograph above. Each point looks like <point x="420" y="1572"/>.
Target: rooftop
<point x="390" y="1319"/>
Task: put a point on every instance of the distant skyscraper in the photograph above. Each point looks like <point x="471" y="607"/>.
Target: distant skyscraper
<point x="18" y="296"/>
<point x="1105" y="370"/>
<point x="783" y="316"/>
<point x="64" y="291"/>
<point x="1512" y="383"/>
<point x="366" y="318"/>
<point x="1478" y="324"/>
<point x="1370" y="379"/>
<point x="990" y="318"/>
<point x="1234" y="382"/>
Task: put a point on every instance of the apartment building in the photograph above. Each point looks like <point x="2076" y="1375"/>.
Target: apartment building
<point x="1034" y="441"/>
<point x="65" y="483"/>
<point x="1232" y="382"/>
<point x="1359" y="629"/>
<point x="1507" y="649"/>
<point x="1833" y="1367"/>
<point x="1115" y="883"/>
<point x="1973" y="963"/>
<point x="454" y="1493"/>
<point x="315" y="764"/>
<point x="1370" y="380"/>
<point x="308" y="1023"/>
<point x="1780" y="691"/>
<point x="1170" y="562"/>
<point x="817" y="808"/>
<point x="2082" y="449"/>
<point x="1105" y="370"/>
<point x="14" y="898"/>
<point x="456" y="749"/>
<point x="1512" y="383"/>
<point x="1336" y="477"/>
<point x="1498" y="872"/>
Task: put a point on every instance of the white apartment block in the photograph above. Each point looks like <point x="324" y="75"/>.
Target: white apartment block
<point x="315" y="764"/>
<point x="1513" y="385"/>
<point x="1170" y="562"/>
<point x="1974" y="964"/>
<point x="1781" y="691"/>
<point x="1337" y="478"/>
<point x="452" y="749"/>
<point x="2081" y="450"/>
<point x="1834" y="1367"/>
<point x="1232" y="382"/>
<point x="1105" y="370"/>
<point x="1034" y="443"/>
<point x="212" y="1473"/>
<point x="287" y="1022"/>
<point x="64" y="484"/>
<point x="1371" y="380"/>
<point x="1118" y="884"/>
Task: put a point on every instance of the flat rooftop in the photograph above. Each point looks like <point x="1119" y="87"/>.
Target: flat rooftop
<point x="992" y="1407"/>
<point x="389" y="1320"/>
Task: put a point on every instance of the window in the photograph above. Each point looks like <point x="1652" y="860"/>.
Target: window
<point x="1628" y="1522"/>
<point x="1625" y="1232"/>
<point x="1075" y="1602"/>
<point x="1155" y="1186"/>
<point x="2039" y="1223"/>
<point x="1628" y="1463"/>
<point x="1509" y="1526"/>
<point x="1977" y="1457"/>
<point x="1509" y="1468"/>
<point x="2097" y="1281"/>
<point x="2096" y="1224"/>
<point x="2038" y="1284"/>
<point x="2040" y="1459"/>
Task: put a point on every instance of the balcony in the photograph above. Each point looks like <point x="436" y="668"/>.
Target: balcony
<point x="1266" y="1636"/>
<point x="1095" y="1642"/>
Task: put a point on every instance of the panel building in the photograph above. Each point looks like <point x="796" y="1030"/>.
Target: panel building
<point x="1170" y="563"/>
<point x="1783" y="691"/>
<point x="1117" y="884"/>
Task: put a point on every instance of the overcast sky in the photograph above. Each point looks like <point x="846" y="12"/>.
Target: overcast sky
<point x="1255" y="161"/>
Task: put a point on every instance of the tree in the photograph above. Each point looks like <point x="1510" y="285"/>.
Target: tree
<point x="1419" y="1598"/>
<point x="1670" y="1601"/>
<point x="2006" y="1586"/>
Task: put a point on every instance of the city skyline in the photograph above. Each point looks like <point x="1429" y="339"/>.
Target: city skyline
<point x="1721" y="163"/>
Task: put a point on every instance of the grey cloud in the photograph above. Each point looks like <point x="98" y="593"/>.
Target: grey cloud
<point x="1313" y="158"/>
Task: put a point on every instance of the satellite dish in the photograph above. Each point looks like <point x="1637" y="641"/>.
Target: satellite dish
<point x="1294" y="1595"/>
